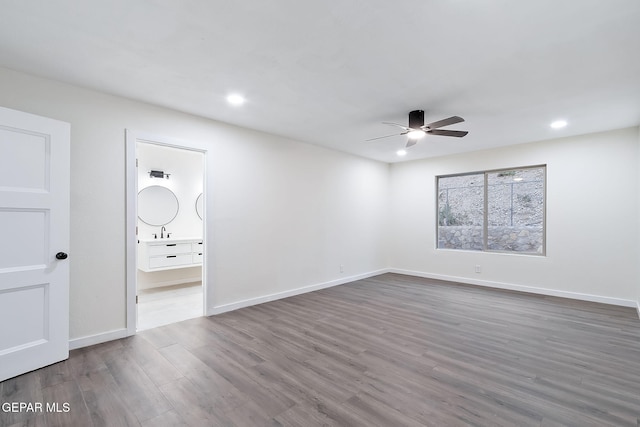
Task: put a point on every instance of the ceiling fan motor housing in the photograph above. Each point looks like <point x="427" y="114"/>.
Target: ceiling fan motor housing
<point x="416" y="119"/>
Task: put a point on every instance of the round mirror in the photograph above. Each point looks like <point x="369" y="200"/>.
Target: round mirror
<point x="157" y="205"/>
<point x="199" y="206"/>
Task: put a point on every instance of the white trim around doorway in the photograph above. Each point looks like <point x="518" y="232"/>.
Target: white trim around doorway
<point x="131" y="139"/>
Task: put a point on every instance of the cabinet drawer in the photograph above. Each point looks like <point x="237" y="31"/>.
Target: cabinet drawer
<point x="169" y="260"/>
<point x="197" y="247"/>
<point x="197" y="257"/>
<point x="169" y="248"/>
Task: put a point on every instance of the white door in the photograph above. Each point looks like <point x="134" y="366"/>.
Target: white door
<point x="34" y="231"/>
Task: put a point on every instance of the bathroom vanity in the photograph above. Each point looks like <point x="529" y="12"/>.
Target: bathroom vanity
<point x="169" y="254"/>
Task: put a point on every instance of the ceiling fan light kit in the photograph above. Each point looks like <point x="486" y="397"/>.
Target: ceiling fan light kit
<point x="416" y="134"/>
<point x="417" y="129"/>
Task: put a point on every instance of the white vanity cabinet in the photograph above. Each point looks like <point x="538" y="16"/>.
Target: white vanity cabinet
<point x="167" y="254"/>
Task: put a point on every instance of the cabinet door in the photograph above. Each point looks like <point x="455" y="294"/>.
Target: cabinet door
<point x="197" y="257"/>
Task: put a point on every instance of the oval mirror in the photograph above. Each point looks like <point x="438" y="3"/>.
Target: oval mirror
<point x="199" y="206"/>
<point x="157" y="205"/>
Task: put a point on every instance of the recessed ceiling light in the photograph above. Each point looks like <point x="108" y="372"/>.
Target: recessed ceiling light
<point x="559" y="124"/>
<point x="416" y="134"/>
<point x="235" y="99"/>
<point x="401" y="152"/>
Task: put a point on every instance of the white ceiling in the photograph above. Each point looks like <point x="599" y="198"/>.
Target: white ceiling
<point x="329" y="72"/>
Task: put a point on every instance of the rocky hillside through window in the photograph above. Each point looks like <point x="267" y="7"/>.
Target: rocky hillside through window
<point x="515" y="211"/>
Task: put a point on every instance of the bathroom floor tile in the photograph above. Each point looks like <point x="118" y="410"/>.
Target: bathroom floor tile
<point x="169" y="304"/>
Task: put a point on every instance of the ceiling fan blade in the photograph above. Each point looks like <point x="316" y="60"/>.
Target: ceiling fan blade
<point x="398" y="125"/>
<point x="411" y="142"/>
<point x="444" y="132"/>
<point x="444" y="122"/>
<point x="380" y="137"/>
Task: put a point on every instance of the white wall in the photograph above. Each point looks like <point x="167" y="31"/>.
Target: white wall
<point x="592" y="212"/>
<point x="293" y="215"/>
<point x="282" y="214"/>
<point x="638" y="196"/>
<point x="186" y="178"/>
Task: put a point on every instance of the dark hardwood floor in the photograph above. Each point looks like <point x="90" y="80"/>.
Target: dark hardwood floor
<point x="386" y="351"/>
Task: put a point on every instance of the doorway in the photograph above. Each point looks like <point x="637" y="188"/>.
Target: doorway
<point x="168" y="240"/>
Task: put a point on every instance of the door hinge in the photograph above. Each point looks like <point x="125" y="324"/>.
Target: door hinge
<point x="136" y="230"/>
<point x="136" y="162"/>
<point x="136" y="299"/>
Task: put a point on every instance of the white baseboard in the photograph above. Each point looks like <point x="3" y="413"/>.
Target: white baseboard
<point x="522" y="288"/>
<point x="122" y="333"/>
<point x="272" y="297"/>
<point x="76" y="343"/>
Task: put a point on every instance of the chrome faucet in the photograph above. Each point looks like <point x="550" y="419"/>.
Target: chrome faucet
<point x="162" y="230"/>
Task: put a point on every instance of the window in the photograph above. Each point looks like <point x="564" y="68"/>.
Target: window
<point x="501" y="211"/>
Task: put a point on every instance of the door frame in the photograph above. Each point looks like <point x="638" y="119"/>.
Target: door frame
<point x="131" y="250"/>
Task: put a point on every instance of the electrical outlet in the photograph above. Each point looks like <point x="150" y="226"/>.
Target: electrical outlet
<point x="478" y="269"/>
<point x="341" y="268"/>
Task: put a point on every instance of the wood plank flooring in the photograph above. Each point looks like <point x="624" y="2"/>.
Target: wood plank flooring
<point x="391" y="350"/>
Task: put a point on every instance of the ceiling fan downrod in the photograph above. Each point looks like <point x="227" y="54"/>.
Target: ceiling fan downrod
<point x="416" y="119"/>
